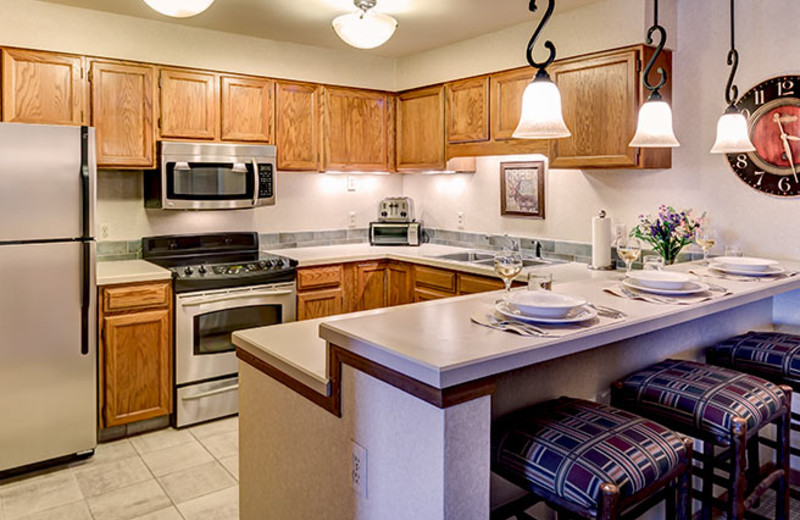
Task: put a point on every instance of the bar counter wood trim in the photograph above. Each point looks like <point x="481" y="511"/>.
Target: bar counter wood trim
<point x="440" y="398"/>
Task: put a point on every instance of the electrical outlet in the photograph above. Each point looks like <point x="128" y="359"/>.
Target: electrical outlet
<point x="620" y="230"/>
<point x="358" y="469"/>
<point x="351" y="219"/>
<point x="461" y="220"/>
<point x="104" y="232"/>
<point x="351" y="183"/>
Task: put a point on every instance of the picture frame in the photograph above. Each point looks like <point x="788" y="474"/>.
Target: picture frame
<point x="522" y="189"/>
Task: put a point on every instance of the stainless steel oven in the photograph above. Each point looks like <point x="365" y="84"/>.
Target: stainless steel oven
<point x="205" y="359"/>
<point x="211" y="176"/>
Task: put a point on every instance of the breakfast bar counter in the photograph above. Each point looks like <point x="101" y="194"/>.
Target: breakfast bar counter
<point x="417" y="387"/>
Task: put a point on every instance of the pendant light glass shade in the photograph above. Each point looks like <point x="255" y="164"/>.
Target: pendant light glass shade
<point x="654" y="129"/>
<point x="732" y="134"/>
<point x="179" y="8"/>
<point x="365" y="30"/>
<point x="541" y="116"/>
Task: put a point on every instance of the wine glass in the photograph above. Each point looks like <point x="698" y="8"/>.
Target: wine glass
<point x="507" y="265"/>
<point x="628" y="249"/>
<point x="706" y="238"/>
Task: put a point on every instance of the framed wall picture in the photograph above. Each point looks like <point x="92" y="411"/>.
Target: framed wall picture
<point x="522" y="189"/>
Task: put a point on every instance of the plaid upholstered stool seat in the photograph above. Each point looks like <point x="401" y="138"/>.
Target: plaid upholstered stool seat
<point x="592" y="460"/>
<point x="724" y="408"/>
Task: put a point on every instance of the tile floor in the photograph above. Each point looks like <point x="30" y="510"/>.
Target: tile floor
<point x="189" y="474"/>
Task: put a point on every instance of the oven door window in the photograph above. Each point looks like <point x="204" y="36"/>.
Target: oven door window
<point x="212" y="331"/>
<point x="391" y="234"/>
<point x="210" y="181"/>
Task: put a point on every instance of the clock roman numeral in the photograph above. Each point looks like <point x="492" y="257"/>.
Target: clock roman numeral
<point x="759" y="97"/>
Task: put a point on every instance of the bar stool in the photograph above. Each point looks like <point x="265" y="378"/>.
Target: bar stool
<point x="723" y="408"/>
<point x="589" y="460"/>
<point x="774" y="356"/>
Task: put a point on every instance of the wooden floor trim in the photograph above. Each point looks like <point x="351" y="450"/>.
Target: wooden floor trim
<point x="441" y="398"/>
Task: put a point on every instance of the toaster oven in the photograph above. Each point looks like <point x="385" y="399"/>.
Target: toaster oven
<point x="395" y="233"/>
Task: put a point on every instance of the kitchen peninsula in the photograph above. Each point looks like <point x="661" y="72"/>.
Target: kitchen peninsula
<point x="416" y="388"/>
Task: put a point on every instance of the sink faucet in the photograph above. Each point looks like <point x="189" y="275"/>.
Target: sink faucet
<point x="537" y="247"/>
<point x="511" y="243"/>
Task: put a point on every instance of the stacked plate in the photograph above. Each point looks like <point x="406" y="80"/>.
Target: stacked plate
<point x="746" y="266"/>
<point x="545" y="307"/>
<point x="664" y="282"/>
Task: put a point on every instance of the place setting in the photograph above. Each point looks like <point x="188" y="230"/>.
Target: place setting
<point x="666" y="288"/>
<point x="744" y="269"/>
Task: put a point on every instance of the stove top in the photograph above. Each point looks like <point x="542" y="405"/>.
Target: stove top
<point x="216" y="261"/>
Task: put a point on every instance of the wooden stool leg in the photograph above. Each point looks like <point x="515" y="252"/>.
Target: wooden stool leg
<point x="671" y="500"/>
<point x="783" y="456"/>
<point x="609" y="502"/>
<point x="684" y="498"/>
<point x="708" y="480"/>
<point x="753" y="461"/>
<point x="738" y="492"/>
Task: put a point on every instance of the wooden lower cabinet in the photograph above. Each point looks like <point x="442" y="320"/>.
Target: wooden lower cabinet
<point x="135" y="355"/>
<point x="370" y="286"/>
<point x="472" y="284"/>
<point x="319" y="304"/>
<point x="399" y="284"/>
<point x="422" y="294"/>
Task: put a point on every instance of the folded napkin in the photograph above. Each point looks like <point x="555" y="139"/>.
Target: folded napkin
<point x="488" y="317"/>
<point x="689" y="299"/>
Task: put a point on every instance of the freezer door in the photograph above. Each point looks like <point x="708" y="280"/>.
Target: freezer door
<point x="48" y="386"/>
<point x="42" y="190"/>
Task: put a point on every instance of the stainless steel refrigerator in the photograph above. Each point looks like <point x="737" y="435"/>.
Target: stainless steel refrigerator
<point x="48" y="316"/>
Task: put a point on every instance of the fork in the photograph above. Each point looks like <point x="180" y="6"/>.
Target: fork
<point x="525" y="327"/>
<point x="648" y="298"/>
<point x="607" y="311"/>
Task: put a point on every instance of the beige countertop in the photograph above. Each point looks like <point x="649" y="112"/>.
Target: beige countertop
<point x="130" y="271"/>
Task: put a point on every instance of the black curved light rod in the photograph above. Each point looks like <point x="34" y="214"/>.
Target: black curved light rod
<point x="660" y="47"/>
<point x="731" y="90"/>
<point x="548" y="44"/>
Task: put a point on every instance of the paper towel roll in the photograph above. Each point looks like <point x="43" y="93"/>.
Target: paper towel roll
<point x="601" y="241"/>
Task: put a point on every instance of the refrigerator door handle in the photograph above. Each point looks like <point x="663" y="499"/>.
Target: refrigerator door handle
<point x="87" y="284"/>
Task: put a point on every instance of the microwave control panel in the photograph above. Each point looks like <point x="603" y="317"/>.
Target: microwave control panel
<point x="266" y="182"/>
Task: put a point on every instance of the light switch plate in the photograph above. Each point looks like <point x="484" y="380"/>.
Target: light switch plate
<point x="359" y="470"/>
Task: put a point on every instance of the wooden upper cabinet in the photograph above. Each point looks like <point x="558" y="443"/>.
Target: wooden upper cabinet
<point x="43" y="87"/>
<point x="506" y="95"/>
<point x="420" y="130"/>
<point x="122" y="113"/>
<point x="468" y="110"/>
<point x="297" y="109"/>
<point x="247" y="109"/>
<point x="356" y="130"/>
<point x="601" y="94"/>
<point x="189" y="104"/>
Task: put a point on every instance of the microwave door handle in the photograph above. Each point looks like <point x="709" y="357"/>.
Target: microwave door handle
<point x="256" y="186"/>
<point x="212" y="299"/>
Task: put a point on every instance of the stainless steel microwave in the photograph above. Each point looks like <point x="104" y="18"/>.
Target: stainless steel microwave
<point x="211" y="176"/>
<point x="395" y="233"/>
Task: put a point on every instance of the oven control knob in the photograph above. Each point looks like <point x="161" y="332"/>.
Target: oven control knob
<point x="281" y="262"/>
<point x="201" y="269"/>
<point x="264" y="264"/>
<point x="188" y="271"/>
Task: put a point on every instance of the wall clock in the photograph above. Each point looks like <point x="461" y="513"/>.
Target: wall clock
<point x="772" y="109"/>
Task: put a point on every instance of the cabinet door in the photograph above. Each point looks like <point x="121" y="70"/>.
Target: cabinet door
<point x="434" y="278"/>
<point x="600" y="101"/>
<point x="370" y="286"/>
<point x="318" y="304"/>
<point x="472" y="284"/>
<point x="420" y="130"/>
<point x="189" y="102"/>
<point x="137" y="372"/>
<point x="468" y="110"/>
<point x="298" y="126"/>
<point x="399" y="284"/>
<point x="122" y="113"/>
<point x="43" y="87"/>
<point x="506" y="96"/>
<point x="356" y="130"/>
<point x="247" y="109"/>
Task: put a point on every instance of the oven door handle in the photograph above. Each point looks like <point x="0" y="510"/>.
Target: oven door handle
<point x="212" y="299"/>
<point x="211" y="392"/>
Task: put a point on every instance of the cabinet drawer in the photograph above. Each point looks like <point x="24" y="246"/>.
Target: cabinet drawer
<point x="435" y="278"/>
<point x="471" y="284"/>
<point x="317" y="277"/>
<point x="424" y="295"/>
<point x="130" y="297"/>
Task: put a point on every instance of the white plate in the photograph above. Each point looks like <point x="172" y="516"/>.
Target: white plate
<point x="576" y="316"/>
<point x="545" y="304"/>
<point x="769" y="271"/>
<point x="687" y="289"/>
<point x="744" y="263"/>
<point x="661" y="279"/>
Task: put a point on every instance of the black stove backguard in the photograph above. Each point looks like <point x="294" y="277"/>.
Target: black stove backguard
<point x="201" y="248"/>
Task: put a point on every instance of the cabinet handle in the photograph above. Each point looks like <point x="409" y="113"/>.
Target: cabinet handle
<point x="211" y="392"/>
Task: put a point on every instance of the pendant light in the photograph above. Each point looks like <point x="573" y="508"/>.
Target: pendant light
<point x="654" y="128"/>
<point x="541" y="116"/>
<point x="179" y="8"/>
<point x="366" y="29"/>
<point x="732" y="132"/>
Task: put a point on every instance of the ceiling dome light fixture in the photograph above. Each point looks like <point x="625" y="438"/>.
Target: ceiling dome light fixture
<point x="366" y="29"/>
<point x="654" y="129"/>
<point x="541" y="116"/>
<point x="179" y="8"/>
<point x="733" y="136"/>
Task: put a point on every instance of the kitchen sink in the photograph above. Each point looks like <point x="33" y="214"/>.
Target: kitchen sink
<point x="526" y="262"/>
<point x="487" y="258"/>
